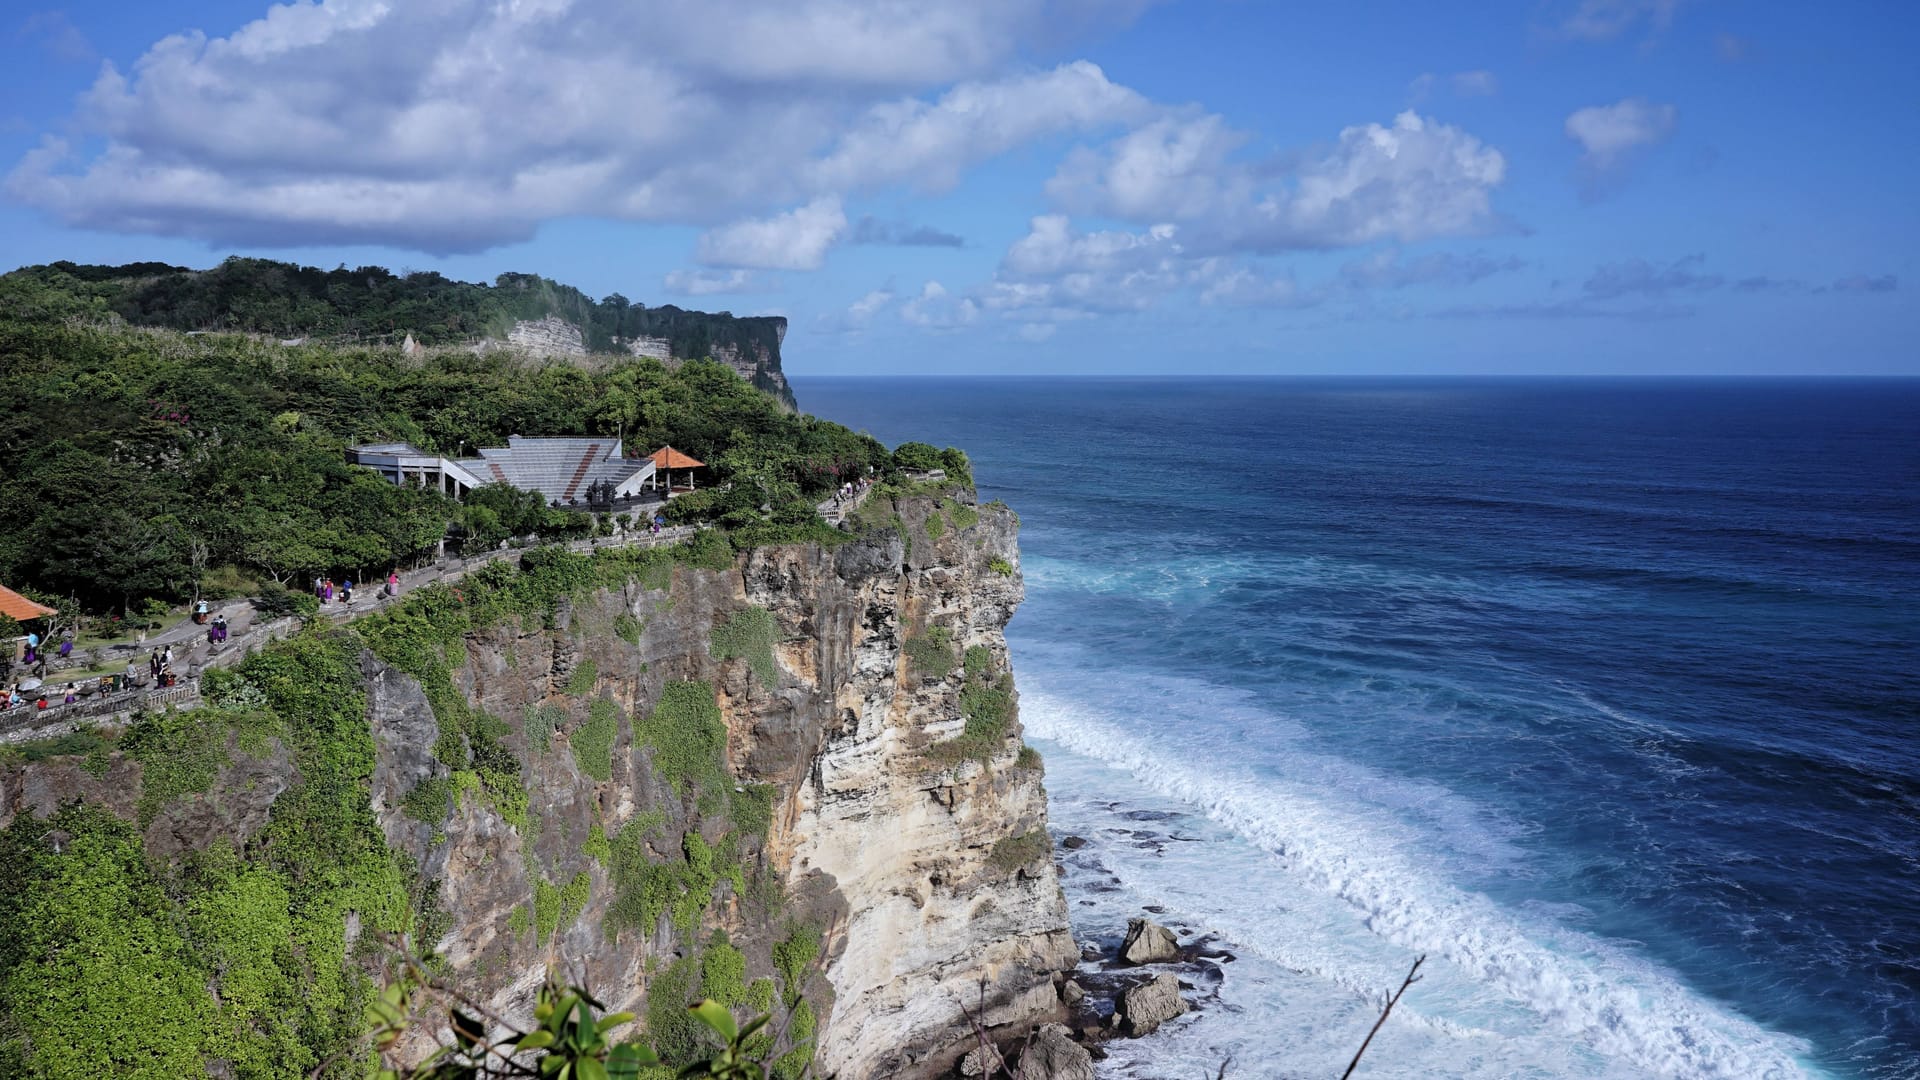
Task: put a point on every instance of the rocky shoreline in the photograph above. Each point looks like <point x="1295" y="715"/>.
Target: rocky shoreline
<point x="1127" y="984"/>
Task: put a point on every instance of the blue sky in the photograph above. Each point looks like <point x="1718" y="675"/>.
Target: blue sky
<point x="1031" y="186"/>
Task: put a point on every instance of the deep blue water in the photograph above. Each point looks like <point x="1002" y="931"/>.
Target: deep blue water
<point x="1602" y="694"/>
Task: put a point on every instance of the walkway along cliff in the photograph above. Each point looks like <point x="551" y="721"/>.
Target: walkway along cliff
<point x="791" y="780"/>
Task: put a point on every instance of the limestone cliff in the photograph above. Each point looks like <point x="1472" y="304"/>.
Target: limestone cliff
<point x="792" y="780"/>
<point x="752" y="359"/>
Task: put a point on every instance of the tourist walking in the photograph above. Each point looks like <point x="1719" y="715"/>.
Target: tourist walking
<point x="393" y="583"/>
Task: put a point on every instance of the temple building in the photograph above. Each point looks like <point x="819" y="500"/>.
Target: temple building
<point x="566" y="471"/>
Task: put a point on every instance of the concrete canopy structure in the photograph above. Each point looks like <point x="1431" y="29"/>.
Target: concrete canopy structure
<point x="560" y="469"/>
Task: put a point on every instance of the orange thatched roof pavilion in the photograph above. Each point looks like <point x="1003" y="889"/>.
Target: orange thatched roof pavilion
<point x="666" y="459"/>
<point x="21" y="608"/>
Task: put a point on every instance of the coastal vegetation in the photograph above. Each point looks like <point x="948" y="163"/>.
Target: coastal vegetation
<point x="236" y="950"/>
<point x="365" y="305"/>
<point x="151" y="465"/>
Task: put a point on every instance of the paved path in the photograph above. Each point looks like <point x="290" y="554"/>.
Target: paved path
<point x="836" y="510"/>
<point x="192" y="653"/>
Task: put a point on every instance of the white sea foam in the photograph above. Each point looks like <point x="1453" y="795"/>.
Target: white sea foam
<point x="1347" y="868"/>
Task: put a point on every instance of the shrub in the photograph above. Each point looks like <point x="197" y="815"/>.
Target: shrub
<point x="687" y="736"/>
<point x="749" y="634"/>
<point x="1010" y="853"/>
<point x="1000" y="566"/>
<point x="932" y="653"/>
<point x="593" y="743"/>
<point x="582" y="678"/>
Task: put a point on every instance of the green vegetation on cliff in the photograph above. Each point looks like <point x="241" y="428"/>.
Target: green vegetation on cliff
<point x="236" y="954"/>
<point x="145" y="464"/>
<point x="370" y="304"/>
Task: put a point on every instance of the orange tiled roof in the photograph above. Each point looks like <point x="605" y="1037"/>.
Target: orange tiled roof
<point x="21" y="608"/>
<point x="668" y="458"/>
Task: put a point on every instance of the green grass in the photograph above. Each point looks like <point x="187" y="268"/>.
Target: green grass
<point x="430" y="801"/>
<point x="964" y="517"/>
<point x="1013" y="852"/>
<point x="596" y="846"/>
<point x="986" y="700"/>
<point x="593" y="743"/>
<point x="1000" y="566"/>
<point x="749" y="634"/>
<point x="687" y="736"/>
<point x="931" y="653"/>
<point x="583" y="677"/>
<point x="541" y="722"/>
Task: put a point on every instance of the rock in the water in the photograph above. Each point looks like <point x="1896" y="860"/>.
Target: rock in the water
<point x="1072" y="993"/>
<point x="1148" y="943"/>
<point x="1073" y="843"/>
<point x="1053" y="1055"/>
<point x="1147" y="1006"/>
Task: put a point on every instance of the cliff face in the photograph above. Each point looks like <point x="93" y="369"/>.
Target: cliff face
<point x="755" y="362"/>
<point x="795" y="784"/>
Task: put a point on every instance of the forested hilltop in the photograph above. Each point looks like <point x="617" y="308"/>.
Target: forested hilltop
<point x="373" y="305"/>
<point x="156" y="464"/>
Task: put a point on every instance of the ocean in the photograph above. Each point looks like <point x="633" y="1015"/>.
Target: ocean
<point x="1602" y="695"/>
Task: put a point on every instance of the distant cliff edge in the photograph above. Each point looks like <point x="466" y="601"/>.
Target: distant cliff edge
<point x="372" y="305"/>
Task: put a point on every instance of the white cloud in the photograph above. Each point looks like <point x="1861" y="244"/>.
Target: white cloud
<point x="710" y="283"/>
<point x="1243" y="286"/>
<point x="1413" y="180"/>
<point x="937" y="309"/>
<point x="795" y="240"/>
<point x="1475" y="84"/>
<point x="56" y="34"/>
<point x="1604" y="20"/>
<point x="927" y="144"/>
<point x="1609" y="134"/>
<point x="1638" y="277"/>
<point x="1035" y="332"/>
<point x="1388" y="269"/>
<point x="858" y="315"/>
<point x="452" y="126"/>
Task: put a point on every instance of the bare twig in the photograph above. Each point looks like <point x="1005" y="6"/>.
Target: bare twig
<point x="1413" y="976"/>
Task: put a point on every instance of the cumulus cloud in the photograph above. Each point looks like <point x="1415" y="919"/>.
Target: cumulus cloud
<point x="451" y="127"/>
<point x="858" y="315"/>
<point x="928" y="143"/>
<point x="871" y="230"/>
<point x="1412" y="180"/>
<point x="711" y="283"/>
<point x="937" y="309"/>
<point x="795" y="240"/>
<point x="1609" y="134"/>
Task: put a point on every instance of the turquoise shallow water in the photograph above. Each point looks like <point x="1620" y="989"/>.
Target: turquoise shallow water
<point x="1601" y="694"/>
